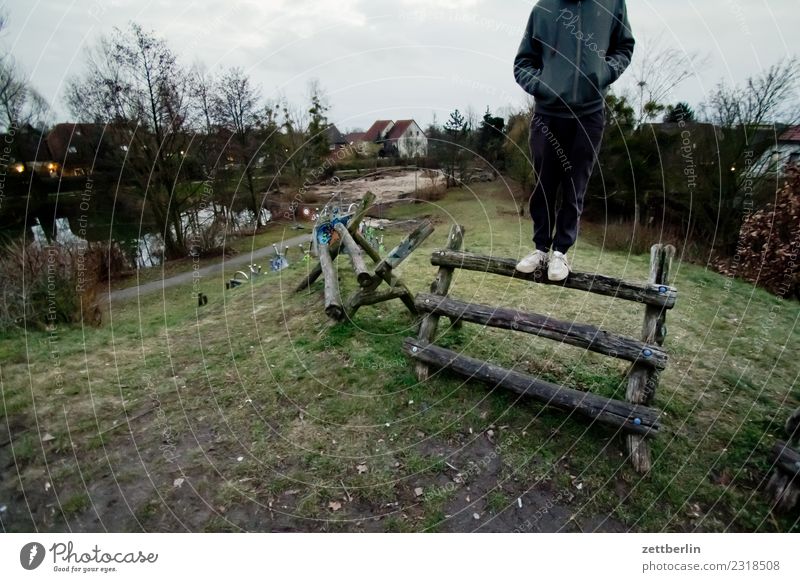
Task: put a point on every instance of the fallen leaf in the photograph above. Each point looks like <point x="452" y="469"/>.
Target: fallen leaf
<point x="48" y="437"/>
<point x="361" y="469"/>
<point x="334" y="505"/>
<point x="178" y="482"/>
<point x="418" y="491"/>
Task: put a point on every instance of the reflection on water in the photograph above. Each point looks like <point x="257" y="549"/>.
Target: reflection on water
<point x="146" y="249"/>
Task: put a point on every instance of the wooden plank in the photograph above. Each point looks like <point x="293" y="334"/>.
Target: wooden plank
<point x="574" y="334"/>
<point x="363" y="276"/>
<point x="361" y="213"/>
<point x="402" y="251"/>
<point x="638" y="419"/>
<point x="650" y="294"/>
<point x="441" y="287"/>
<point x="643" y="380"/>
<point x="333" y="301"/>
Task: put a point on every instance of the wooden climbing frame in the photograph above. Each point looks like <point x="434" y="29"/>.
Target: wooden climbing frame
<point x="634" y="415"/>
<point x="370" y="280"/>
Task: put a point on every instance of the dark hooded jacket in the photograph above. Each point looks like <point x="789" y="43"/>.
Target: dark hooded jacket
<point x="573" y="50"/>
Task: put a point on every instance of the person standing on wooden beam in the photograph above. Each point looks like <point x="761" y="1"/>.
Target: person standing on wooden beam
<point x="572" y="51"/>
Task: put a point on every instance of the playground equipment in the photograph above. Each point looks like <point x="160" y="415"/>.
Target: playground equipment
<point x="634" y="416"/>
<point x="783" y="488"/>
<point x="338" y="232"/>
<point x="279" y="262"/>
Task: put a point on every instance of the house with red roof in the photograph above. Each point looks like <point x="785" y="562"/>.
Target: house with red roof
<point x="407" y="140"/>
<point x="403" y="138"/>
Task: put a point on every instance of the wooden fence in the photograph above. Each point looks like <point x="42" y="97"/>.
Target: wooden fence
<point x="634" y="416"/>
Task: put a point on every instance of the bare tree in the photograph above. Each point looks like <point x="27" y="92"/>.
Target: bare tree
<point x="20" y="104"/>
<point x="134" y="83"/>
<point x="749" y="118"/>
<point x="237" y="108"/>
<point x="746" y="113"/>
<point x="657" y="70"/>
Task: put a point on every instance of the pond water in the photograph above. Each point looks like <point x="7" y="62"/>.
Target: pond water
<point x="64" y="221"/>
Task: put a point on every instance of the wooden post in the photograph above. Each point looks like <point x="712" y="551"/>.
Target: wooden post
<point x="358" y="217"/>
<point x="643" y="380"/>
<point x="356" y="256"/>
<point x="783" y="488"/>
<point x="333" y="301"/>
<point x="440" y="286"/>
<point x="793" y="427"/>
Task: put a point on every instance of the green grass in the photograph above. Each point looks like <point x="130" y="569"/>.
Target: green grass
<point x="259" y="374"/>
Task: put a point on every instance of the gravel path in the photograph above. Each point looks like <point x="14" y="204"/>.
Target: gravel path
<point x="237" y="261"/>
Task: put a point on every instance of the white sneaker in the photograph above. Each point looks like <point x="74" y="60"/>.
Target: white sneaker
<point x="533" y="262"/>
<point x="558" y="269"/>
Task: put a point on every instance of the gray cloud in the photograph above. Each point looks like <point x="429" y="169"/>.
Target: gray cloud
<point x="407" y="58"/>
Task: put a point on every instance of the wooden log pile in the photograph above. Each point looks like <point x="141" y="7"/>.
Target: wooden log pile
<point x="370" y="280"/>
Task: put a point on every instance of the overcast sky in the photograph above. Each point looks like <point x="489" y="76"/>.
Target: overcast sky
<point x="393" y="60"/>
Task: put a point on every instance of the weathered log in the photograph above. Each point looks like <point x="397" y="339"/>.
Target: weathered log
<point x="363" y="276"/>
<point x="368" y="248"/>
<point x="632" y="418"/>
<point x="782" y="491"/>
<point x="440" y="286"/>
<point x="793" y="427"/>
<point x="643" y="380"/>
<point x="786" y="458"/>
<point x="649" y="294"/>
<point x="352" y="226"/>
<point x="575" y="334"/>
<point x="333" y="301"/>
<point x="386" y="274"/>
<point x="402" y="251"/>
<point x="363" y="298"/>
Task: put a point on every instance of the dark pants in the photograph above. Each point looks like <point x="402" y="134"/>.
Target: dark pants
<point x="564" y="151"/>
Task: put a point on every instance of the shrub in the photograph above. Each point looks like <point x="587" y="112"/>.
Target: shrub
<point x="769" y="242"/>
<point x="47" y="284"/>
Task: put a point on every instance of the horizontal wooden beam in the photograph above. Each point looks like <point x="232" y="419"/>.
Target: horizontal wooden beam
<point x="630" y="417"/>
<point x="656" y="295"/>
<point x="786" y="458"/>
<point x="362" y="298"/>
<point x="363" y="276"/>
<point x="574" y="334"/>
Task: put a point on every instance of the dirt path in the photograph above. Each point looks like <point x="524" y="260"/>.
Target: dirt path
<point x="237" y="261"/>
